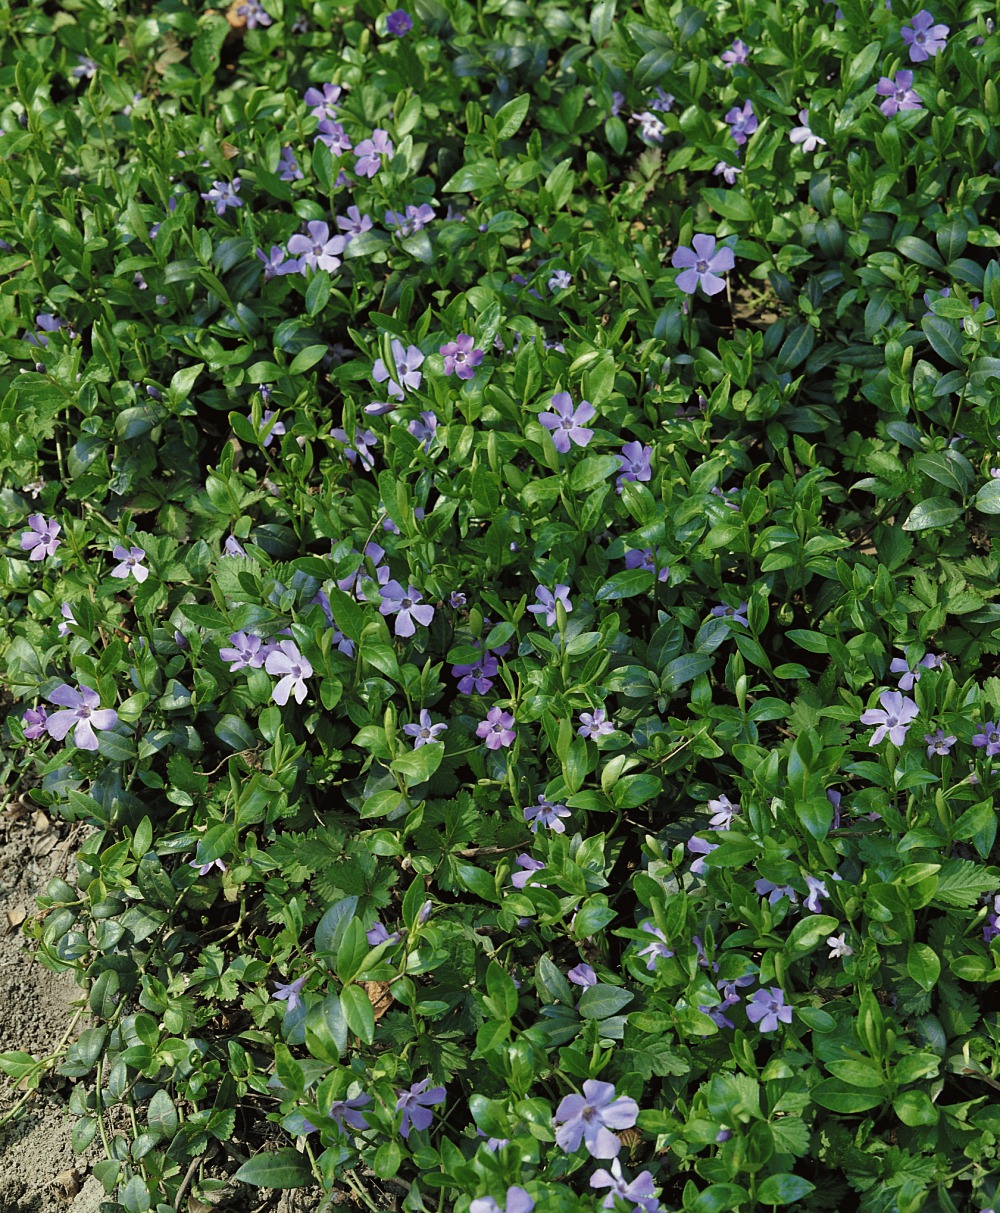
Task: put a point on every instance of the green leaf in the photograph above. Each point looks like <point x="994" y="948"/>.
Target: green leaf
<point x="601" y="1001"/>
<point x="931" y="513"/>
<point x="307" y="358"/>
<point x="730" y="204"/>
<point x="915" y="249"/>
<point x="923" y="965"/>
<point x="914" y="1109"/>
<point x="419" y="765"/>
<point x="808" y="933"/>
<point x="862" y="65"/>
<point x="332" y="926"/>
<point x="783" y="1189"/>
<point x="796" y="348"/>
<point x="472" y="178"/>
<point x="945" y="339"/>
<point x="625" y="585"/>
<point x="509" y="117"/>
<point x="592" y="471"/>
<point x="285" y="1168"/>
<point x="839" y="1097"/>
<point x="104" y="994"/>
<point x="358" y="1012"/>
<point x="988" y="498"/>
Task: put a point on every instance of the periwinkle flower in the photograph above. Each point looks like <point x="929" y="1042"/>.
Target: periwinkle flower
<point x="894" y="717"/>
<point x="399" y="23"/>
<point x="702" y="265"/>
<point x="408" y="361"/>
<point x="83" y="713"/>
<point x="205" y="868"/>
<point x="923" y="37"/>
<point x="898" y="93"/>
<point x="456" y="600"/>
<point x="582" y="975"/>
<point x="657" y="949"/>
<point x="635" y="463"/>
<point x="988" y="738"/>
<point x="528" y="866"/>
<point x="640" y="1192"/>
<point x="129" y="563"/>
<point x="363" y="439"/>
<point x="736" y="614"/>
<point x="413" y="219"/>
<point x="817" y="889"/>
<point x="742" y="122"/>
<point x="802" y="134"/>
<point x="223" y="195"/>
<point x="423" y="428"/>
<point x="547" y="600"/>
<point x="369" y="153"/>
<point x="269" y="431"/>
<point x="254" y="13"/>
<point x="323" y="102"/>
<point x="774" y="892"/>
<point x="354" y="223"/>
<point x="461" y="357"/>
<point x="645" y="558"/>
<point x="288" y="166"/>
<point x="739" y="52"/>
<point x="290" y="993"/>
<point x="246" y="652"/>
<point x="559" y="281"/>
<point x="516" y="1201"/>
<point x="651" y="128"/>
<point x="938" y="743"/>
<point x="347" y="1113"/>
<point x="233" y="547"/>
<point x="909" y="675"/>
<point x="590" y="1117"/>
<point x="47" y="323"/>
<point x="664" y="101"/>
<point x="425" y="731"/>
<point x="497" y="729"/>
<point x="379" y="934"/>
<point x="67" y="613"/>
<point x="86" y="68"/>
<point x="701" y="848"/>
<point x="407" y="605"/>
<point x="333" y="135"/>
<point x="617" y="103"/>
<point x="568" y="424"/>
<point x="728" y="172"/>
<point x="723" y="811"/>
<point x="767" y="1008"/>
<point x="319" y="250"/>
<point x="839" y="947"/>
<point x="546" y="814"/>
<point x="478" y="676"/>
<point x="33" y="722"/>
<point x="415" y="1105"/>
<point x="41" y="541"/>
<point x="285" y="660"/>
<point x="595" y="725"/>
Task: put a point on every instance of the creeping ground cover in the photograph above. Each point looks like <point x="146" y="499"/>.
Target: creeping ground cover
<point x="499" y="516"/>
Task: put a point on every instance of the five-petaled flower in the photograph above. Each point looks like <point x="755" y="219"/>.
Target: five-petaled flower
<point x="640" y="1192"/>
<point x="528" y="866"/>
<point x="285" y="659"/>
<point x="651" y="128"/>
<point x="923" y="37"/>
<point x="323" y="103"/>
<point x="590" y="1117"/>
<point x="129" y="563"/>
<point x="938" y="743"/>
<point x="894" y="717"/>
<point x="988" y="738"/>
<point x="516" y="1201"/>
<point x="478" y="676"/>
<point x="657" y="949"/>
<point x="413" y="219"/>
<point x="41" y="540"/>
<point x="408" y="361"/>
<point x="595" y="725"/>
<point x="560" y="280"/>
<point x="497" y="729"/>
<point x="33" y="722"/>
<point x="702" y="265"/>
<point x="582" y="975"/>
<point x="461" y="357"/>
<point x="635" y="463"/>
<point x="223" y="195"/>
<point x="288" y="166"/>
<point x="839" y="947"/>
<point x="767" y="1008"/>
<point x="645" y="558"/>
<point x="369" y="153"/>
<point x="723" y="812"/>
<point x="347" y="1114"/>
<point x="354" y="223"/>
<point x="909" y="675"/>
<point x="728" y="172"/>
<point x="425" y="731"/>
<point x="547" y="600"/>
<point x="742" y="122"/>
<point x="568" y="424"/>
<point x="205" y="868"/>
<point x="254" y="13"/>
<point x="290" y="993"/>
<point x="406" y="605"/>
<point x="423" y="428"/>
<point x="399" y="22"/>
<point x="817" y="889"/>
<point x="739" y="52"/>
<point x="319" y="250"/>
<point x="246" y="652"/>
<point x="83" y="713"/>
<point x="546" y="814"/>
<point x="899" y="94"/>
<point x="416" y="1104"/>
<point x="802" y="134"/>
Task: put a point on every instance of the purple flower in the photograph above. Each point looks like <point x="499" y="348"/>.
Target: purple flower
<point x="461" y="357"/>
<point x="415" y="1105"/>
<point x="516" y="1201"/>
<point x="246" y="652"/>
<point x="285" y="659"/>
<point x="254" y="12"/>
<point x="129" y="563"/>
<point x="33" y="722"/>
<point x="289" y="166"/>
<point x="923" y="37"/>
<point x="41" y="540"/>
<point x="423" y="428"/>
<point x="269" y="432"/>
<point x="369" y="153"/>
<point x="988" y="737"/>
<point x="774" y="892"/>
<point x="48" y="324"/>
<point x="223" y="195"/>
<point x="347" y="1115"/>
<point x="405" y="605"/>
<point x="275" y="265"/>
<point x="363" y="439"/>
<point x="894" y="717"/>
<point x="67" y="613"/>
<point x="423" y="732"/>
<point x="908" y="675"/>
<point x="354" y="223"/>
<point x="414" y="219"/>
<point x="701" y="848"/>
<point x="898" y="94"/>
<point x="233" y="547"/>
<point x="456" y="600"/>
<point x="528" y="865"/>
<point x="595" y="725"/>
<point x="378" y="934"/>
<point x="497" y="728"/>
<point x="546" y="814"/>
<point x="590" y="1117"/>
<point x="640" y="1192"/>
<point x="736" y="614"/>
<point x="701" y="265"/>
<point x="334" y="136"/>
<point x="290" y="992"/>
<point x="205" y="868"/>
<point x="583" y="975"/>
<point x="742" y="122"/>
<point x="723" y="811"/>
<point x="739" y="52"/>
<point x="478" y="676"/>
<point x="817" y="889"/>
<point x="323" y="104"/>
<point x="560" y="280"/>
<point x="86" y="69"/>
<point x="547" y="600"/>
<point x="802" y="134"/>
<point x="399" y="22"/>
<point x="663" y="101"/>
<point x="566" y="423"/>
<point x="839" y="947"/>
<point x="657" y="949"/>
<point x="646" y="559"/>
<point x="634" y="462"/>
<point x="83" y="714"/>
<point x="408" y="362"/>
<point x="650" y="127"/>
<point x="767" y="1008"/>
<point x="617" y="101"/>
<point x="319" y="249"/>
<point x="938" y="743"/>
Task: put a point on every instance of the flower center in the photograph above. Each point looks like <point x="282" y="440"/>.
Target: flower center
<point x="701" y="265"/>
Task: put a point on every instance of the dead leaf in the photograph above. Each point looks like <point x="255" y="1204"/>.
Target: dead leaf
<point x="67" y="1184"/>
<point x="379" y="995"/>
<point x="236" y="21"/>
<point x="173" y="52"/>
<point x="228" y="150"/>
<point x="15" y="917"/>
